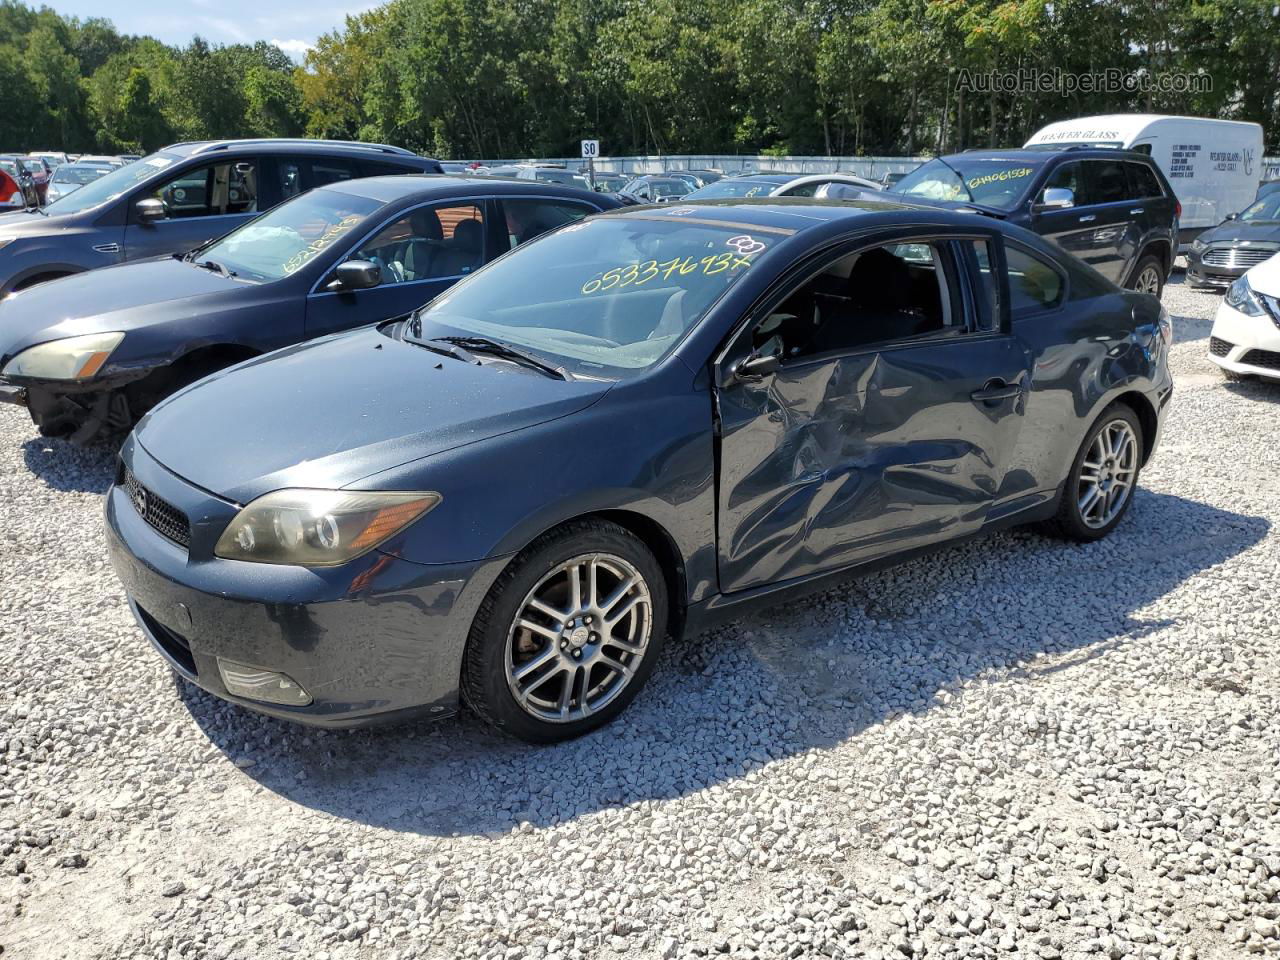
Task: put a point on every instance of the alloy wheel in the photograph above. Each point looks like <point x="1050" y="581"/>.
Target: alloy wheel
<point x="1148" y="281"/>
<point x="578" y="638"/>
<point x="1107" y="474"/>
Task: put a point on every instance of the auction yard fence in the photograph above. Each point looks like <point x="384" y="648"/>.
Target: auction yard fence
<point x="873" y="168"/>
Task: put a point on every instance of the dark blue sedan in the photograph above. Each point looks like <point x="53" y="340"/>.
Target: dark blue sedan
<point x="99" y="349"/>
<point x="636" y="425"/>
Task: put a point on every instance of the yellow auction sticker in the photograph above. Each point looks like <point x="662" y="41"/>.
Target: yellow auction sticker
<point x="636" y="274"/>
<point x="1015" y="173"/>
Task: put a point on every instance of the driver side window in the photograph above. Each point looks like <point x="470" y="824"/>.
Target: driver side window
<point x="213" y="190"/>
<point x="890" y="293"/>
<point x="430" y="243"/>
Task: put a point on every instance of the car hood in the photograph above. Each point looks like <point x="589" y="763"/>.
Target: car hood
<point x="333" y="411"/>
<point x="33" y="223"/>
<point x="121" y="297"/>
<point x="1242" y="231"/>
<point x="1265" y="277"/>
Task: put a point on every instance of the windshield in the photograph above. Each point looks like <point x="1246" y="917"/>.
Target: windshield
<point x="9" y="167"/>
<point x="1266" y="209"/>
<point x="668" y="188"/>
<point x="286" y="238"/>
<point x="734" y="188"/>
<point x="603" y="297"/>
<point x="119" y="181"/>
<point x="79" y="174"/>
<point x="1000" y="184"/>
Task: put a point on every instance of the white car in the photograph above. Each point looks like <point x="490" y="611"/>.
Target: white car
<point x="1245" y="340"/>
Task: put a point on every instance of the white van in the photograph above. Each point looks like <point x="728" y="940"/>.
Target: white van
<point x="1214" y="166"/>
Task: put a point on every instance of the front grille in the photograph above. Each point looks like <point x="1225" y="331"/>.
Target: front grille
<point x="160" y="514"/>
<point x="1219" y="348"/>
<point x="172" y="645"/>
<point x="1262" y="358"/>
<point x="1235" y="257"/>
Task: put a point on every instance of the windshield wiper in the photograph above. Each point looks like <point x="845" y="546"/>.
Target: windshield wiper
<point x="495" y="349"/>
<point x="448" y="349"/>
<point x="216" y="267"/>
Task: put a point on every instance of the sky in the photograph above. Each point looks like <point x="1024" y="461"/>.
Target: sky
<point x="292" y="25"/>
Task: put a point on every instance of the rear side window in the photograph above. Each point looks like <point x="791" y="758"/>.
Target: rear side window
<point x="1107" y="181"/>
<point x="527" y="219"/>
<point x="1143" y="181"/>
<point x="325" y="171"/>
<point x="1034" y="285"/>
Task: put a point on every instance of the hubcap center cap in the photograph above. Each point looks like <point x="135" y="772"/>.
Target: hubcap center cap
<point x="578" y="637"/>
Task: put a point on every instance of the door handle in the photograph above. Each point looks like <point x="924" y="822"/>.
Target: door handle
<point x="1089" y="219"/>
<point x="995" y="391"/>
<point x="1136" y="210"/>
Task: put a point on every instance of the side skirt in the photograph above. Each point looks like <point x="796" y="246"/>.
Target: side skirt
<point x="725" y="607"/>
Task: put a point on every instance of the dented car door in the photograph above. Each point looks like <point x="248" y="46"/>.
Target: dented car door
<point x="834" y="461"/>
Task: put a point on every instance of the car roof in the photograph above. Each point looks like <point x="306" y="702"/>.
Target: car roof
<point x="412" y="186"/>
<point x="289" y="145"/>
<point x="795" y="213"/>
<point x="1040" y="151"/>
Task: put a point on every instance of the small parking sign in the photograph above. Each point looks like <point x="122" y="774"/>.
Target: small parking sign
<point x="590" y="149"/>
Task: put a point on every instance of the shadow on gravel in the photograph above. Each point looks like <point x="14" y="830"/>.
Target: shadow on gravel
<point x="1267" y="391"/>
<point x="66" y="467"/>
<point x="804" y="675"/>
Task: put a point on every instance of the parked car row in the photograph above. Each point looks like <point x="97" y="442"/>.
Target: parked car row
<point x="512" y="433"/>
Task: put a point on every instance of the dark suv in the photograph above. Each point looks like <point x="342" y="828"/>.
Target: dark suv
<point x="1113" y="209"/>
<point x="178" y="198"/>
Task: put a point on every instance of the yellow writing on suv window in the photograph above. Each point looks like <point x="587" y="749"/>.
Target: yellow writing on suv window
<point x="635" y="274"/>
<point x="1014" y="173"/>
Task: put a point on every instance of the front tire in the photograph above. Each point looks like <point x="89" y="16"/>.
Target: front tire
<point x="568" y="634"/>
<point x="1103" y="477"/>
<point x="1148" y="277"/>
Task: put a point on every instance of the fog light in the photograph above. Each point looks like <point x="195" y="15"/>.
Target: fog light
<point x="255" y="683"/>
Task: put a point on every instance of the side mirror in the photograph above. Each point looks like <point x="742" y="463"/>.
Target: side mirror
<point x="1056" y="198"/>
<point x="757" y="366"/>
<point x="149" y="210"/>
<point x="356" y="275"/>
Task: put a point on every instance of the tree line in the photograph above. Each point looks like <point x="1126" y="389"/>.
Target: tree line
<point x="513" y="78"/>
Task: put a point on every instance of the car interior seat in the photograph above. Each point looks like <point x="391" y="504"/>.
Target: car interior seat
<point x="461" y="253"/>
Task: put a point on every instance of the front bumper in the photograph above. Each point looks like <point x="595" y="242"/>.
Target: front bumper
<point x="1245" y="345"/>
<point x="374" y="640"/>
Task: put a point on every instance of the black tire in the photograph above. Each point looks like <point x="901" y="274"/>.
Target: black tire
<point x="484" y="681"/>
<point x="1150" y="262"/>
<point x="1069" y="523"/>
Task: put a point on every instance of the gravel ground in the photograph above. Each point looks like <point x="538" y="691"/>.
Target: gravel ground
<point x="1015" y="747"/>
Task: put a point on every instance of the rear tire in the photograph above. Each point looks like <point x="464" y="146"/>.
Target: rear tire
<point x="1148" y="276"/>
<point x="1104" y="475"/>
<point x="547" y="660"/>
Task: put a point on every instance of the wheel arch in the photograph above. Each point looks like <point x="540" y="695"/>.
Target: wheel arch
<point x="656" y="539"/>
<point x="1157" y="247"/>
<point x="44" y="275"/>
<point x="1147" y="416"/>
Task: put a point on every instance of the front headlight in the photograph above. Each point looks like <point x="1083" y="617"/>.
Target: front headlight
<point x="319" y="528"/>
<point x="75" y="358"/>
<point x="1240" y="297"/>
<point x="1197" y="244"/>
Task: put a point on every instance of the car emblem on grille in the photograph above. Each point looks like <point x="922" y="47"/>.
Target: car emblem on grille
<point x="140" y="500"/>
